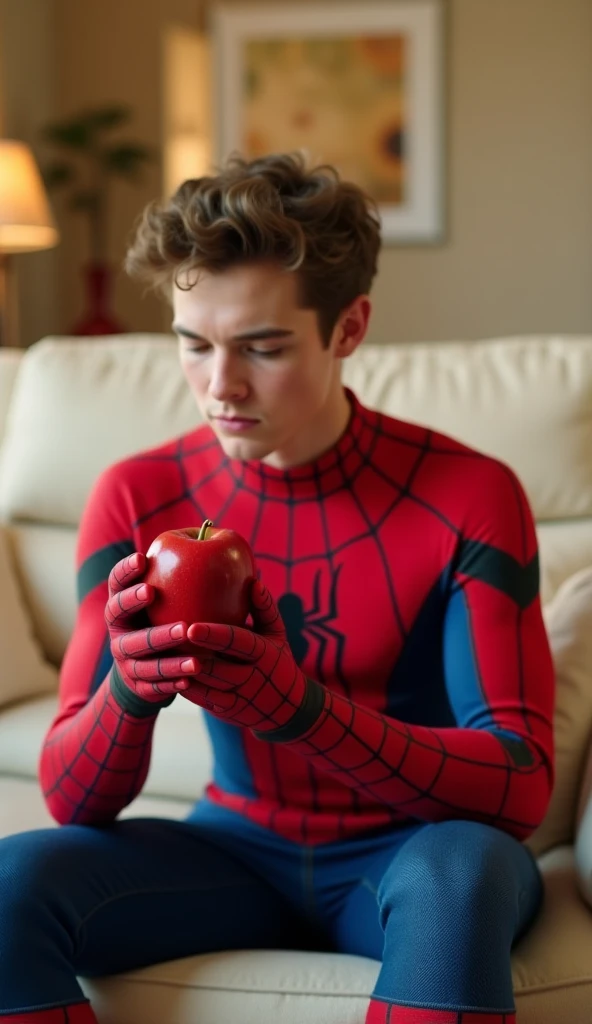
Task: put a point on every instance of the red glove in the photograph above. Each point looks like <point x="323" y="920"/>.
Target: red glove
<point x="262" y="687"/>
<point x="140" y="679"/>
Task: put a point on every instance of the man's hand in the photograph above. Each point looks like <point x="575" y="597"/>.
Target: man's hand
<point x="252" y="680"/>
<point x="138" y="665"/>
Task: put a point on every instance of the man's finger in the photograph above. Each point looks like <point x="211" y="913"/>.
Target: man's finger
<point x="155" y="691"/>
<point x="223" y="674"/>
<point x="205" y="697"/>
<point x="266" y="617"/>
<point x="125" y="571"/>
<point x="140" y="643"/>
<point x="157" y="670"/>
<point x="126" y="603"/>
<point x="229" y="640"/>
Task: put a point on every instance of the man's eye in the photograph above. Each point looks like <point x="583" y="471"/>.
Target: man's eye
<point x="268" y="353"/>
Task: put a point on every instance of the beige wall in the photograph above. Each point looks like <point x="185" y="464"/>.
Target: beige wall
<point x="111" y="51"/>
<point x="517" y="256"/>
<point x="27" y="101"/>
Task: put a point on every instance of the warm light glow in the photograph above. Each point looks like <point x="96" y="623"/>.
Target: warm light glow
<point x="26" y="221"/>
<point x="186" y="156"/>
<point x="187" y="107"/>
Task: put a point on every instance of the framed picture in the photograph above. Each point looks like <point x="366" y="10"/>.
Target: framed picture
<point x="359" y="86"/>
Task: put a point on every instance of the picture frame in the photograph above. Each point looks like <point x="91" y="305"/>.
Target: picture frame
<point x="359" y="86"/>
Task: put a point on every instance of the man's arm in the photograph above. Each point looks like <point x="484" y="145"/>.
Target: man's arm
<point x="95" y="756"/>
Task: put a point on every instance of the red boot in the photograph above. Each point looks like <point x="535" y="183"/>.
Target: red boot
<point x="390" y="1013"/>
<point x="81" y="1013"/>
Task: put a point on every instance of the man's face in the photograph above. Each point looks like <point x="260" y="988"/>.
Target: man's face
<point x="255" y="363"/>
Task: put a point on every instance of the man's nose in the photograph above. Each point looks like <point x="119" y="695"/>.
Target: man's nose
<point x="227" y="382"/>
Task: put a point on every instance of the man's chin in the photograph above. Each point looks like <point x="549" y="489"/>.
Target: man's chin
<point x="243" y="449"/>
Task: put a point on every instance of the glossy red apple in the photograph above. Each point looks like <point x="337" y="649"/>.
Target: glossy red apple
<point x="199" y="575"/>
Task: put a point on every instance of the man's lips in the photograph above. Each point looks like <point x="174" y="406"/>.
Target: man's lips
<point x="235" y="423"/>
<point x="236" y="419"/>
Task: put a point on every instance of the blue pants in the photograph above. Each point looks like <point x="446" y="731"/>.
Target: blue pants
<point x="440" y="905"/>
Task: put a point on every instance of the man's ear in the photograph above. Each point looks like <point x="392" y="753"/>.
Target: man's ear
<point x="352" y="326"/>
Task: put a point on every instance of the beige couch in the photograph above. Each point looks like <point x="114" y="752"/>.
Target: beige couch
<point x="529" y="401"/>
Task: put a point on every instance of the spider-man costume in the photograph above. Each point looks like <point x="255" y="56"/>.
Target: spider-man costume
<point x="405" y="569"/>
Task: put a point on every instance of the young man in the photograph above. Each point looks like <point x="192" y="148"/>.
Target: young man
<point x="383" y="735"/>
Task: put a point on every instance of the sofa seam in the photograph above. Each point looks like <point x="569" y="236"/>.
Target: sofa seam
<point x="134" y="979"/>
<point x="245" y="991"/>
<point x="553" y="986"/>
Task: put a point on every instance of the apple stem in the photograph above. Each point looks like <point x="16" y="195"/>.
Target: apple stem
<point x="205" y="526"/>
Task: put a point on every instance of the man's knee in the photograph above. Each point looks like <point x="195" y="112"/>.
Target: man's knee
<point x="453" y="870"/>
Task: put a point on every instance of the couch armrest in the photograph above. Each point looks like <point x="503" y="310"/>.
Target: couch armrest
<point x="583" y="840"/>
<point x="583" y="854"/>
<point x="10" y="359"/>
<point x="25" y="672"/>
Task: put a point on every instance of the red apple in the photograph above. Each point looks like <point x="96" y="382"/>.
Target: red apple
<point x="199" y="575"/>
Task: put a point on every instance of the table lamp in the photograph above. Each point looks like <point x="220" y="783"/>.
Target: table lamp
<point x="26" y="221"/>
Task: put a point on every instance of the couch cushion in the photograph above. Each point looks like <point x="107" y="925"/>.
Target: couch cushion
<point x="526" y="400"/>
<point x="181" y="762"/>
<point x="564" y="548"/>
<point x="9" y="363"/>
<point x="22" y="728"/>
<point x="250" y="987"/>
<point x="552" y="969"/>
<point x="45" y="564"/>
<point x="22" y="807"/>
<point x="181" y="752"/>
<point x="81" y="404"/>
<point x="552" y="965"/>
<point x="78" y="406"/>
<point x="568" y="618"/>
<point x="24" y="671"/>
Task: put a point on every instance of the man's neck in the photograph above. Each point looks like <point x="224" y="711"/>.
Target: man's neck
<point x="321" y="435"/>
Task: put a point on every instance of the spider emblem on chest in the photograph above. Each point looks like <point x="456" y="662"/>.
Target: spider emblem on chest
<point x="303" y="624"/>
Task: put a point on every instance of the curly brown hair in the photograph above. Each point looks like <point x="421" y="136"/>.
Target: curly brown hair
<point x="270" y="209"/>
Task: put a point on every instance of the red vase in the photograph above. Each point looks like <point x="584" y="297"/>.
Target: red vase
<point x="98" y="318"/>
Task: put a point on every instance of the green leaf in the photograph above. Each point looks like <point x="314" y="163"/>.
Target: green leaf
<point x="125" y="158"/>
<point x="57" y="174"/>
<point x="71" y="134"/>
<point x="252" y="80"/>
<point x="86" y="201"/>
<point x="80" y="132"/>
<point x="108" y="117"/>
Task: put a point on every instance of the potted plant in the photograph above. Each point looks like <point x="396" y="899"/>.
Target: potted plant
<point x="90" y="158"/>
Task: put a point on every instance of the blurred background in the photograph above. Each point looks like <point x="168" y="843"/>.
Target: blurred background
<point x="515" y="255"/>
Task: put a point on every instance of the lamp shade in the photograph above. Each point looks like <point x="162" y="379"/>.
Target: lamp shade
<point x="26" y="221"/>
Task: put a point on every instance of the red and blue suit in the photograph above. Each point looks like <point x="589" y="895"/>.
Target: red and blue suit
<point x="386" y="817"/>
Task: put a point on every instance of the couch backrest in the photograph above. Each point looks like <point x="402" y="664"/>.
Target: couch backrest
<point x="10" y="359"/>
<point x="78" y="405"/>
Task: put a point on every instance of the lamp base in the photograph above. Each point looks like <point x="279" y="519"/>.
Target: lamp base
<point x="98" y="319"/>
<point x="8" y="305"/>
